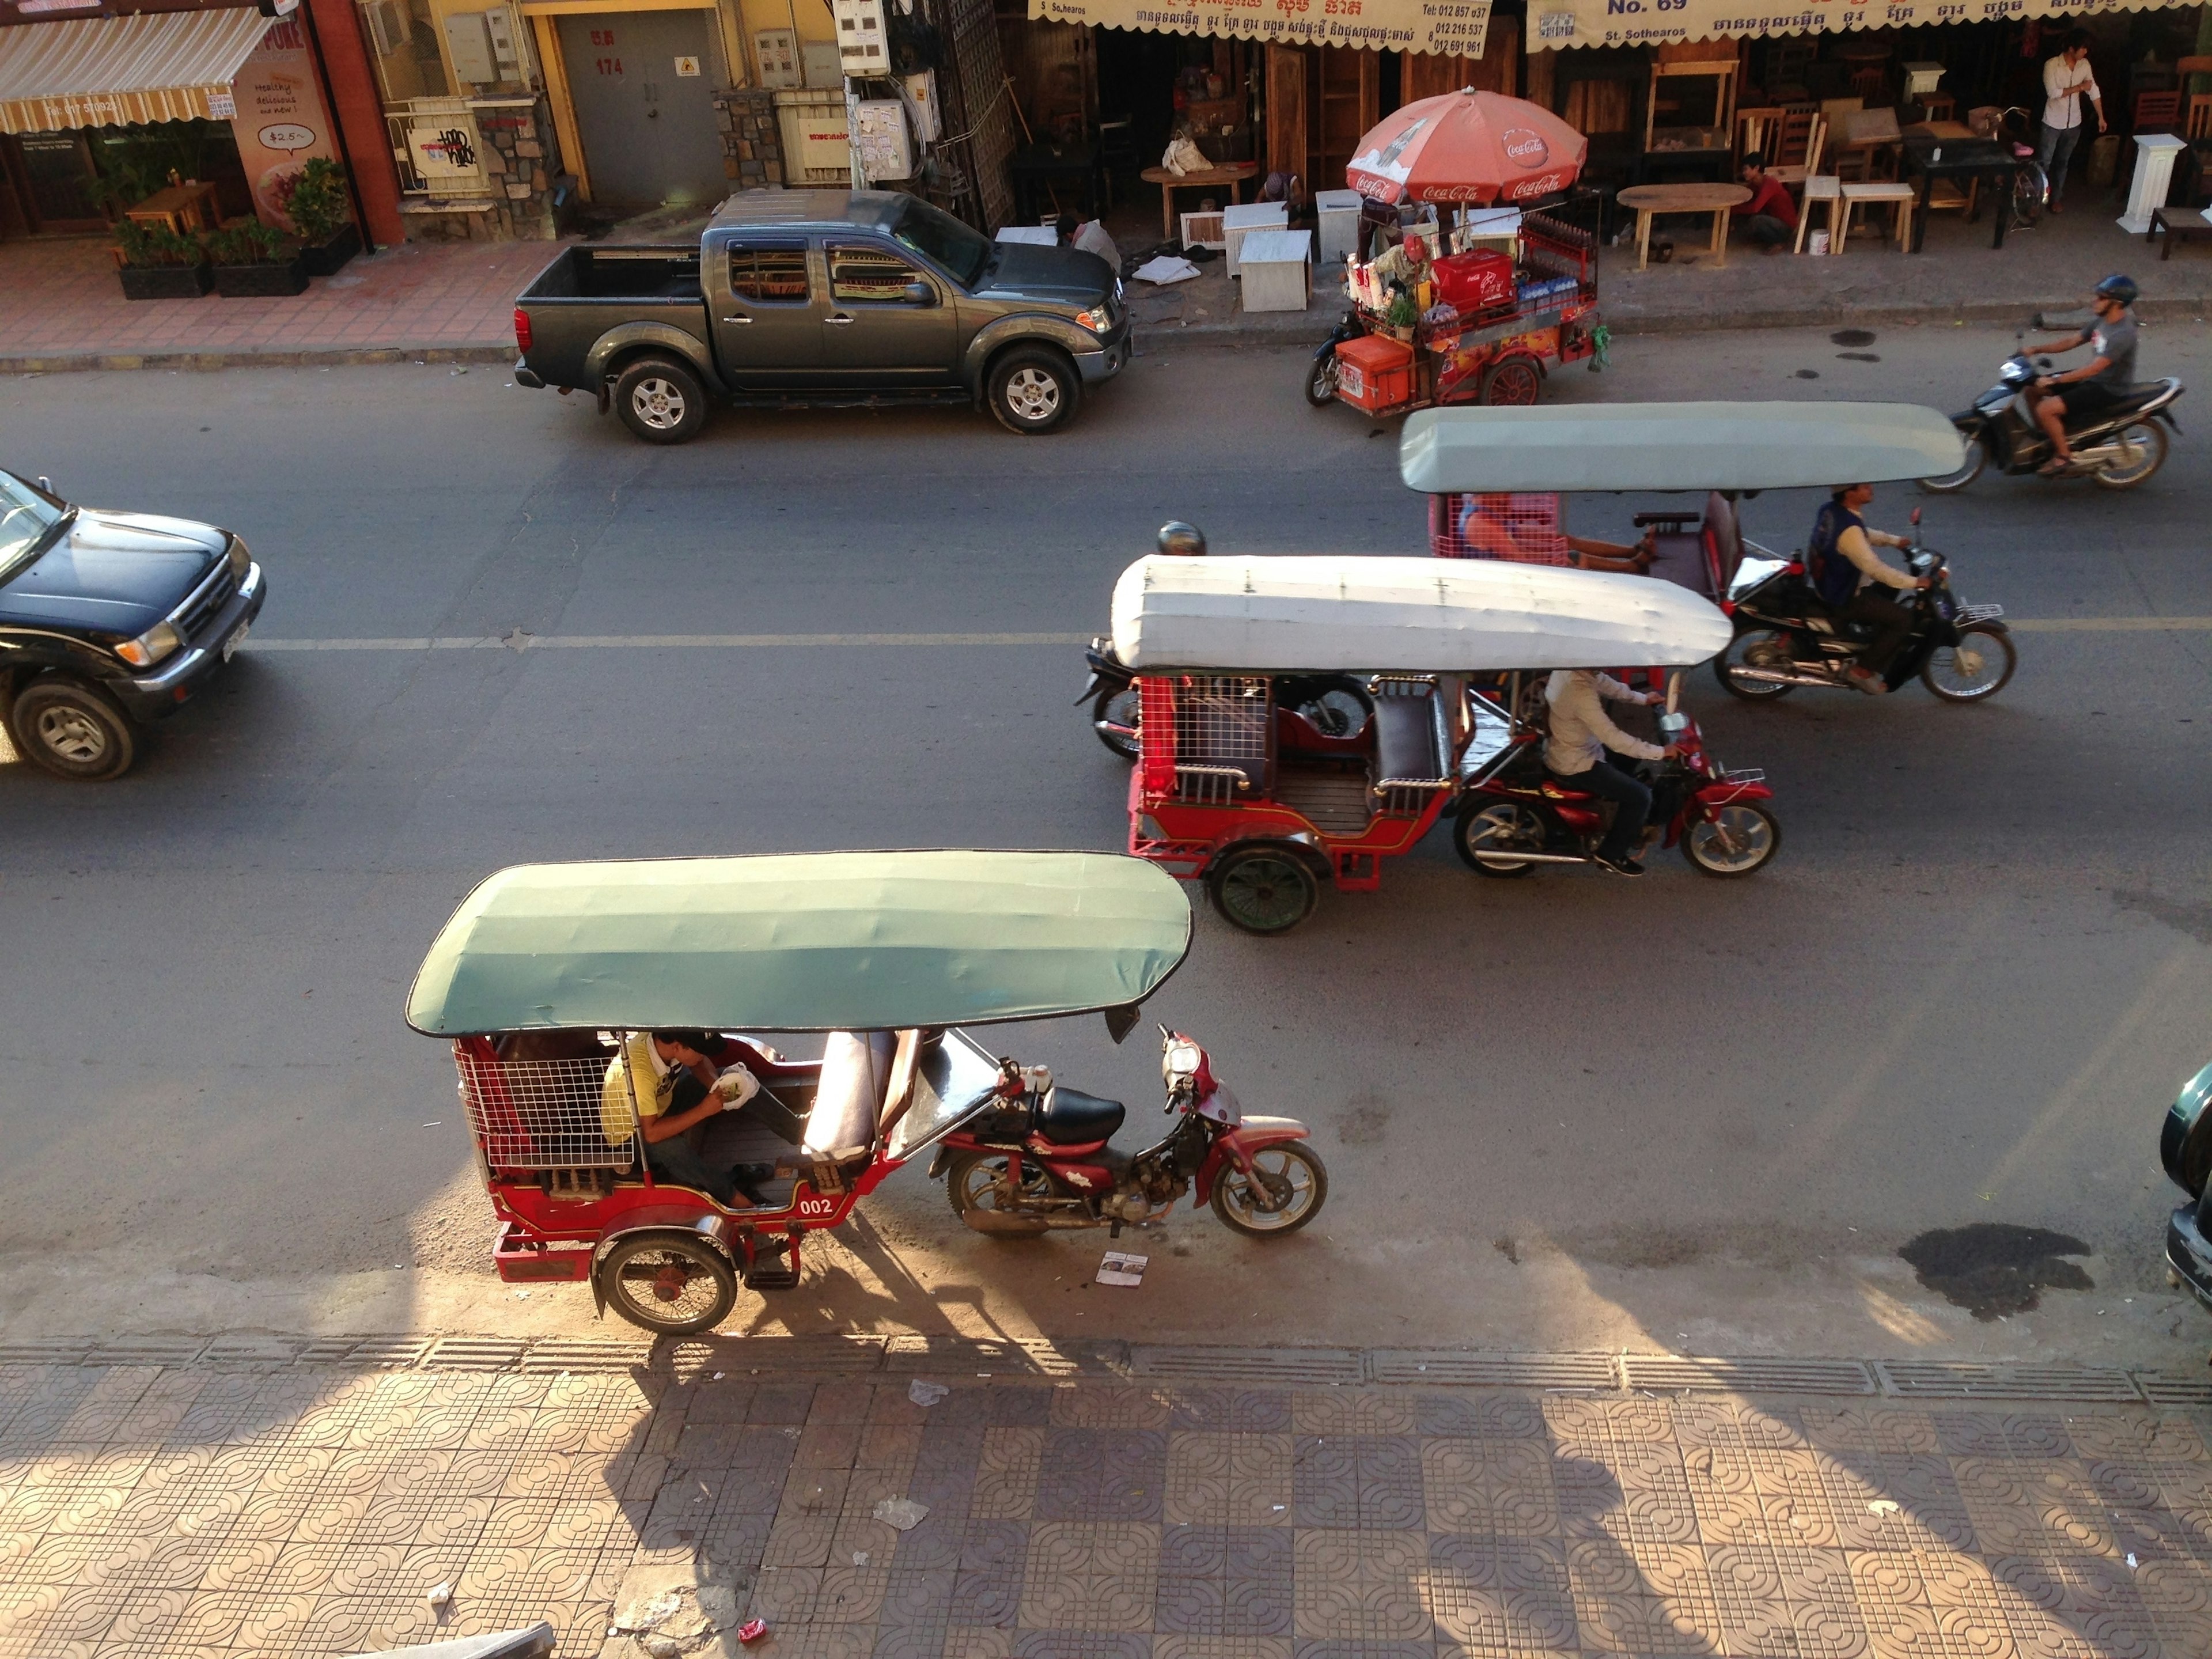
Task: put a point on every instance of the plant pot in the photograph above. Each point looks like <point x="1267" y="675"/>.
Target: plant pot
<point x="164" y="282"/>
<point x="323" y="261"/>
<point x="261" y="282"/>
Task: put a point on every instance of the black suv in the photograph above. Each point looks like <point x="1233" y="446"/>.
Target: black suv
<point x="109" y="621"/>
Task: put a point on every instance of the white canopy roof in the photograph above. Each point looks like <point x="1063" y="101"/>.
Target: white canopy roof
<point x="1339" y="613"/>
<point x="111" y="71"/>
<point x="1700" y="446"/>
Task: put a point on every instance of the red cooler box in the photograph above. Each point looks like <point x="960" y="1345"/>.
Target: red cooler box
<point x="1373" y="372"/>
<point x="1475" y="281"/>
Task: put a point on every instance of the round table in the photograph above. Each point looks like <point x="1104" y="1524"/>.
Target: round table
<point x="1233" y="175"/>
<point x="1649" y="199"/>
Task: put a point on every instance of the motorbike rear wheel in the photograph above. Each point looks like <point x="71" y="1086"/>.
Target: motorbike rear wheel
<point x="1950" y="483"/>
<point x="675" y="1286"/>
<point x="2147" y="436"/>
<point x="2030" y="188"/>
<point x="1738" y="839"/>
<point x="1499" y="826"/>
<point x="1321" y="379"/>
<point x="1977" y="667"/>
<point x="1299" y="1181"/>
<point x="1744" y="650"/>
<point x="978" y="1181"/>
<point x="1114" y="711"/>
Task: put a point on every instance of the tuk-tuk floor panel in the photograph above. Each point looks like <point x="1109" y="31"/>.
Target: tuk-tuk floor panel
<point x="1333" y="800"/>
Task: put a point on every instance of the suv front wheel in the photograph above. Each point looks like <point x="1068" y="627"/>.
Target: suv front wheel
<point x="69" y="729"/>
<point x="1034" y="390"/>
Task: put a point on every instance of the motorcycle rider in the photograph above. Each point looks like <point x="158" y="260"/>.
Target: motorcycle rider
<point x="1839" y="559"/>
<point x="2096" y="386"/>
<point x="1574" y="753"/>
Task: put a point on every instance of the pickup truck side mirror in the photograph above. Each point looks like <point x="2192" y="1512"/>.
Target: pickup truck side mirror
<point x="921" y="294"/>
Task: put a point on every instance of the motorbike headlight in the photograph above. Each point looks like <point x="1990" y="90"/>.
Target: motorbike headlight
<point x="1178" y="1062"/>
<point x="1099" y="320"/>
<point x="149" y="647"/>
<point x="237" y="559"/>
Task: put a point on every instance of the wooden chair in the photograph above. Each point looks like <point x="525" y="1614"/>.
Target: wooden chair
<point x="2154" y="112"/>
<point x="1872" y="83"/>
<point x="1820" y="187"/>
<point x="1755" y="130"/>
<point x="1797" y="172"/>
<point x="2196" y="106"/>
<point x="1793" y="136"/>
<point x="1938" y="107"/>
<point x="1786" y="64"/>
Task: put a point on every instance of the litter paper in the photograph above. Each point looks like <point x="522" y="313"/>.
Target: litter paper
<point x="1120" y="1269"/>
<point x="902" y="1513"/>
<point x="926" y="1394"/>
<point x="1165" y="269"/>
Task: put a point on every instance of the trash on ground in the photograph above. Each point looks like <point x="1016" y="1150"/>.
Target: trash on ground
<point x="1164" y="270"/>
<point x="1882" y="1506"/>
<point x="439" y="1596"/>
<point x="926" y="1394"/>
<point x="1120" y="1269"/>
<point x="901" y="1512"/>
<point x="752" y="1630"/>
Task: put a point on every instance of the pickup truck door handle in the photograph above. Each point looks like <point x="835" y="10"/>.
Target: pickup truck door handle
<point x="839" y="320"/>
<point x="736" y="319"/>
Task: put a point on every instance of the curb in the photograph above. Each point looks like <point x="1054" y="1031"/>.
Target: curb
<point x="1304" y="328"/>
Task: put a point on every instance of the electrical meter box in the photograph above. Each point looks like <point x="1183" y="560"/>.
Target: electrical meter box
<point x="822" y="70"/>
<point x="918" y="93"/>
<point x="864" y="44"/>
<point x="879" y="130"/>
<point x="777" y="52"/>
<point x="469" y="41"/>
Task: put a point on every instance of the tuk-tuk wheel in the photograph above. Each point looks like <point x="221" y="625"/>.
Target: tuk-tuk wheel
<point x="669" y="1283"/>
<point x="1263" y="889"/>
<point x="1512" y="383"/>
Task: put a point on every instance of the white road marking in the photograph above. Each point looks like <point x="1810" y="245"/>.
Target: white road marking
<point x="657" y="641"/>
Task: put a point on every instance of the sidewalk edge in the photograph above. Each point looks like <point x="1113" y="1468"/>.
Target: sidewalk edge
<point x="70" y="362"/>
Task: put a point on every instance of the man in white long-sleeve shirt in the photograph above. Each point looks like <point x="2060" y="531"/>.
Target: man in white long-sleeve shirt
<point x="2066" y="79"/>
<point x="1574" y="753"/>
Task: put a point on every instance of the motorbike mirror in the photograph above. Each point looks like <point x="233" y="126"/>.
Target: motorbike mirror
<point x="1673" y="693"/>
<point x="1915" y="515"/>
<point x="1121" y="1020"/>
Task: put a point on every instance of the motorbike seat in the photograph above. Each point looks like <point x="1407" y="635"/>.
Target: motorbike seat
<point x="1552" y="789"/>
<point x="1072" y="1118"/>
<point x="2140" y="392"/>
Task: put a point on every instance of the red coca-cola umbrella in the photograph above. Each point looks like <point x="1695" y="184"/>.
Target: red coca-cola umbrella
<point x="1476" y="147"/>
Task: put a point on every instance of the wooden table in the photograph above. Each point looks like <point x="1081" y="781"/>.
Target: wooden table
<point x="181" y="207"/>
<point x="1963" y="158"/>
<point x="2171" y="222"/>
<point x="1232" y="175"/>
<point x="1649" y="199"/>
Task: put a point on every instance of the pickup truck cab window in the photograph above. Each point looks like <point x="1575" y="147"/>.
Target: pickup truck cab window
<point x="26" y="515"/>
<point x="867" y="274"/>
<point x="936" y="234"/>
<point x="769" y="274"/>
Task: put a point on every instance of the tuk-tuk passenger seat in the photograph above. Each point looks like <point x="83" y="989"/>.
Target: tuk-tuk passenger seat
<point x="856" y="1071"/>
<point x="1406" y="731"/>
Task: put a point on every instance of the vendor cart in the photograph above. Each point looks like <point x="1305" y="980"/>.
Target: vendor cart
<point x="1543" y="312"/>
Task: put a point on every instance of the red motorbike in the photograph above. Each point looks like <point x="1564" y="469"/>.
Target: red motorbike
<point x="1039" y="1159"/>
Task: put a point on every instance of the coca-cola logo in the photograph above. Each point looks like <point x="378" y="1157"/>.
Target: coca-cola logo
<point x="1525" y="148"/>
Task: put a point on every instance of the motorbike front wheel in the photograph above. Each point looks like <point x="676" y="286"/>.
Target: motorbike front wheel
<point x="2147" y="440"/>
<point x="1115" y="712"/>
<point x="1321" y="379"/>
<point x="1757" y="647"/>
<point x="1975" y="668"/>
<point x="675" y="1286"/>
<point x="1501" y="826"/>
<point x="1286" y="1189"/>
<point x="1735" y="840"/>
<point x="2031" y="188"/>
<point x="979" y="1181"/>
<point x="1951" y="482"/>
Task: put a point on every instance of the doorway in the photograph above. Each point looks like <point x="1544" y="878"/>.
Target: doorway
<point x="642" y="85"/>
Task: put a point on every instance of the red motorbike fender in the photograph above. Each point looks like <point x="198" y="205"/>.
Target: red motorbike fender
<point x="1723" y="792"/>
<point x="1238" y="1147"/>
<point x="715" y="1228"/>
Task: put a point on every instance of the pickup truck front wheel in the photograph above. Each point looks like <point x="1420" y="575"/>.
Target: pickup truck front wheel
<point x="1034" y="390"/>
<point x="660" y="400"/>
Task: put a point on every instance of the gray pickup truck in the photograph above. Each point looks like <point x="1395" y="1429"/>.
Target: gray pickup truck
<point x="819" y="295"/>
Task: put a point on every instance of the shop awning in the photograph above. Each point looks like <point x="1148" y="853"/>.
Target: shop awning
<point x="115" y="71"/>
<point x="1644" y="23"/>
<point x="1421" y="25"/>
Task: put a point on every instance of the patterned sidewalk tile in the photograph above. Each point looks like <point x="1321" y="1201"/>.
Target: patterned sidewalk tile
<point x="146" y="1511"/>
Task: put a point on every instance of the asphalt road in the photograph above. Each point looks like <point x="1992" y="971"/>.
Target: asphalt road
<point x="1564" y="1113"/>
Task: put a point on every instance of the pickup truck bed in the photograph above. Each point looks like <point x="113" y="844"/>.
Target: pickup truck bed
<point x="589" y="290"/>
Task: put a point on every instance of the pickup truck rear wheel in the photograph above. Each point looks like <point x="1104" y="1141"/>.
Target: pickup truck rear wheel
<point x="1034" y="390"/>
<point x="661" y="401"/>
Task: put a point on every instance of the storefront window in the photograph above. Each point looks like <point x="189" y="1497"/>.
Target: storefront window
<point x="404" y="38"/>
<point x="134" y="162"/>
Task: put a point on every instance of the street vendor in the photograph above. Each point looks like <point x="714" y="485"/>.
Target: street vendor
<point x="1406" y="263"/>
<point x="1526" y="530"/>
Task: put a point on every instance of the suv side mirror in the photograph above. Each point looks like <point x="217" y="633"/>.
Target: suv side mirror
<point x="921" y="294"/>
<point x="46" y="483"/>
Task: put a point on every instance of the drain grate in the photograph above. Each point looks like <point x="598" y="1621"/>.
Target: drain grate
<point x="2176" y="1390"/>
<point x="561" y="1353"/>
<point x="382" y="1352"/>
<point x="1003" y="1356"/>
<point x="253" y="1351"/>
<point x="148" y="1351"/>
<point x="1315" y="1365"/>
<point x="1450" y="1368"/>
<point x="475" y="1353"/>
<point x="1668" y="1372"/>
<point x="1933" y="1379"/>
<point x="46" y="1350"/>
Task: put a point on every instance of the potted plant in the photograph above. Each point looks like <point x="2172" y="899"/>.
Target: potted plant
<point x="1401" y="316"/>
<point x="254" y="261"/>
<point x="318" y="209"/>
<point x="157" y="263"/>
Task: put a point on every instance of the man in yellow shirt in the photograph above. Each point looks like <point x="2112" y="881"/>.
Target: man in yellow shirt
<point x="661" y="1087"/>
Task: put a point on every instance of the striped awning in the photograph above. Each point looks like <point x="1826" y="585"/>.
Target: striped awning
<point x="114" y="71"/>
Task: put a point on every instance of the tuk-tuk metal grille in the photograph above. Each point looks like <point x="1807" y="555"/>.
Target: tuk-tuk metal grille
<point x="548" y="1114"/>
<point x="1520" y="528"/>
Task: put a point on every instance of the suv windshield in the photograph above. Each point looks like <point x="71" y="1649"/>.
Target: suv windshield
<point x="936" y="234"/>
<point x="26" y="515"/>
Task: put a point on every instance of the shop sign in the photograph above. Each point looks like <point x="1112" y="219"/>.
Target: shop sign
<point x="277" y="118"/>
<point x="1455" y="28"/>
<point x="1663" y="22"/>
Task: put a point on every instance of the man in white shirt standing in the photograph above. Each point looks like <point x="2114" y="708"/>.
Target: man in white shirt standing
<point x="2066" y="79"/>
<point x="1574" y="753"/>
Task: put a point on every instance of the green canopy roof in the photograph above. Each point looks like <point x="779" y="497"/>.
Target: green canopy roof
<point x="805" y="941"/>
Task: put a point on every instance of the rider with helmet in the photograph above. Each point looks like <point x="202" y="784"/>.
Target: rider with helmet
<point x="1838" y="558"/>
<point x="2097" y="385"/>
